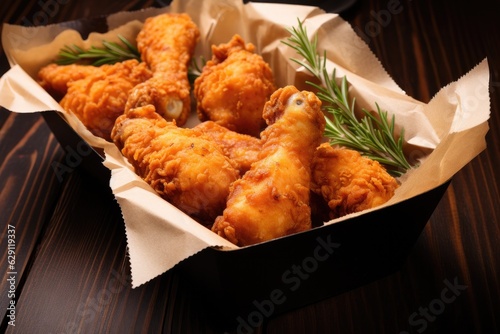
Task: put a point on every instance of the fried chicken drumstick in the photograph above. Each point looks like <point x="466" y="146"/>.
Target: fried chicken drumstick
<point x="240" y="148"/>
<point x="272" y="199"/>
<point x="184" y="168"/>
<point x="166" y="43"/>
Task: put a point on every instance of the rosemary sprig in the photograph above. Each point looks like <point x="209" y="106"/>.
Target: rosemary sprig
<point x="110" y="53"/>
<point x="372" y="135"/>
<point x="194" y="71"/>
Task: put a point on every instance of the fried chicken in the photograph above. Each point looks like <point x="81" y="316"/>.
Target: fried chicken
<point x="349" y="182"/>
<point x="240" y="148"/>
<point x="272" y="199"/>
<point x="99" y="97"/>
<point x="166" y="43"/>
<point x="55" y="78"/>
<point x="233" y="87"/>
<point x="184" y="168"/>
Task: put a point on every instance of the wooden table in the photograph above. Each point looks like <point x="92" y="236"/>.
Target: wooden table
<point x="72" y="271"/>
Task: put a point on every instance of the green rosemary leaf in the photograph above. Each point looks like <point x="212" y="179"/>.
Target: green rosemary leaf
<point x="130" y="47"/>
<point x="195" y="69"/>
<point x="112" y="52"/>
<point x="109" y="53"/>
<point x="373" y="135"/>
<point x="104" y="60"/>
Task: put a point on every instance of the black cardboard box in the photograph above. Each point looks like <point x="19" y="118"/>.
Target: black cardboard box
<point x="244" y="286"/>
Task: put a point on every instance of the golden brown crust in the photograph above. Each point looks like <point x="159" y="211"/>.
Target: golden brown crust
<point x="233" y="87"/>
<point x="349" y="182"/>
<point x="55" y="78"/>
<point x="272" y="199"/>
<point x="184" y="168"/>
<point x="166" y="43"/>
<point x="96" y="95"/>
<point x="240" y="148"/>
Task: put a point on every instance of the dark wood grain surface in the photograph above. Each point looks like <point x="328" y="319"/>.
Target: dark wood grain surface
<point x="72" y="270"/>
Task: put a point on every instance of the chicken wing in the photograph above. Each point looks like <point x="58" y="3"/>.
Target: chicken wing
<point x="272" y="199"/>
<point x="184" y="168"/>
<point x="349" y="182"/>
<point x="100" y="96"/>
<point x="55" y="78"/>
<point x="240" y="148"/>
<point x="166" y="43"/>
<point x="233" y="87"/>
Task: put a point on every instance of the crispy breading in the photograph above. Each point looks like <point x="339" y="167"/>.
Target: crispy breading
<point x="242" y="149"/>
<point x="272" y="199"/>
<point x="182" y="166"/>
<point x="234" y="86"/>
<point x="166" y="43"/>
<point x="349" y="182"/>
<point x="100" y="96"/>
<point x="55" y="78"/>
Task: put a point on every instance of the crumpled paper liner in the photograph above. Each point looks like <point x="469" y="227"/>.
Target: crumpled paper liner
<point x="443" y="135"/>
